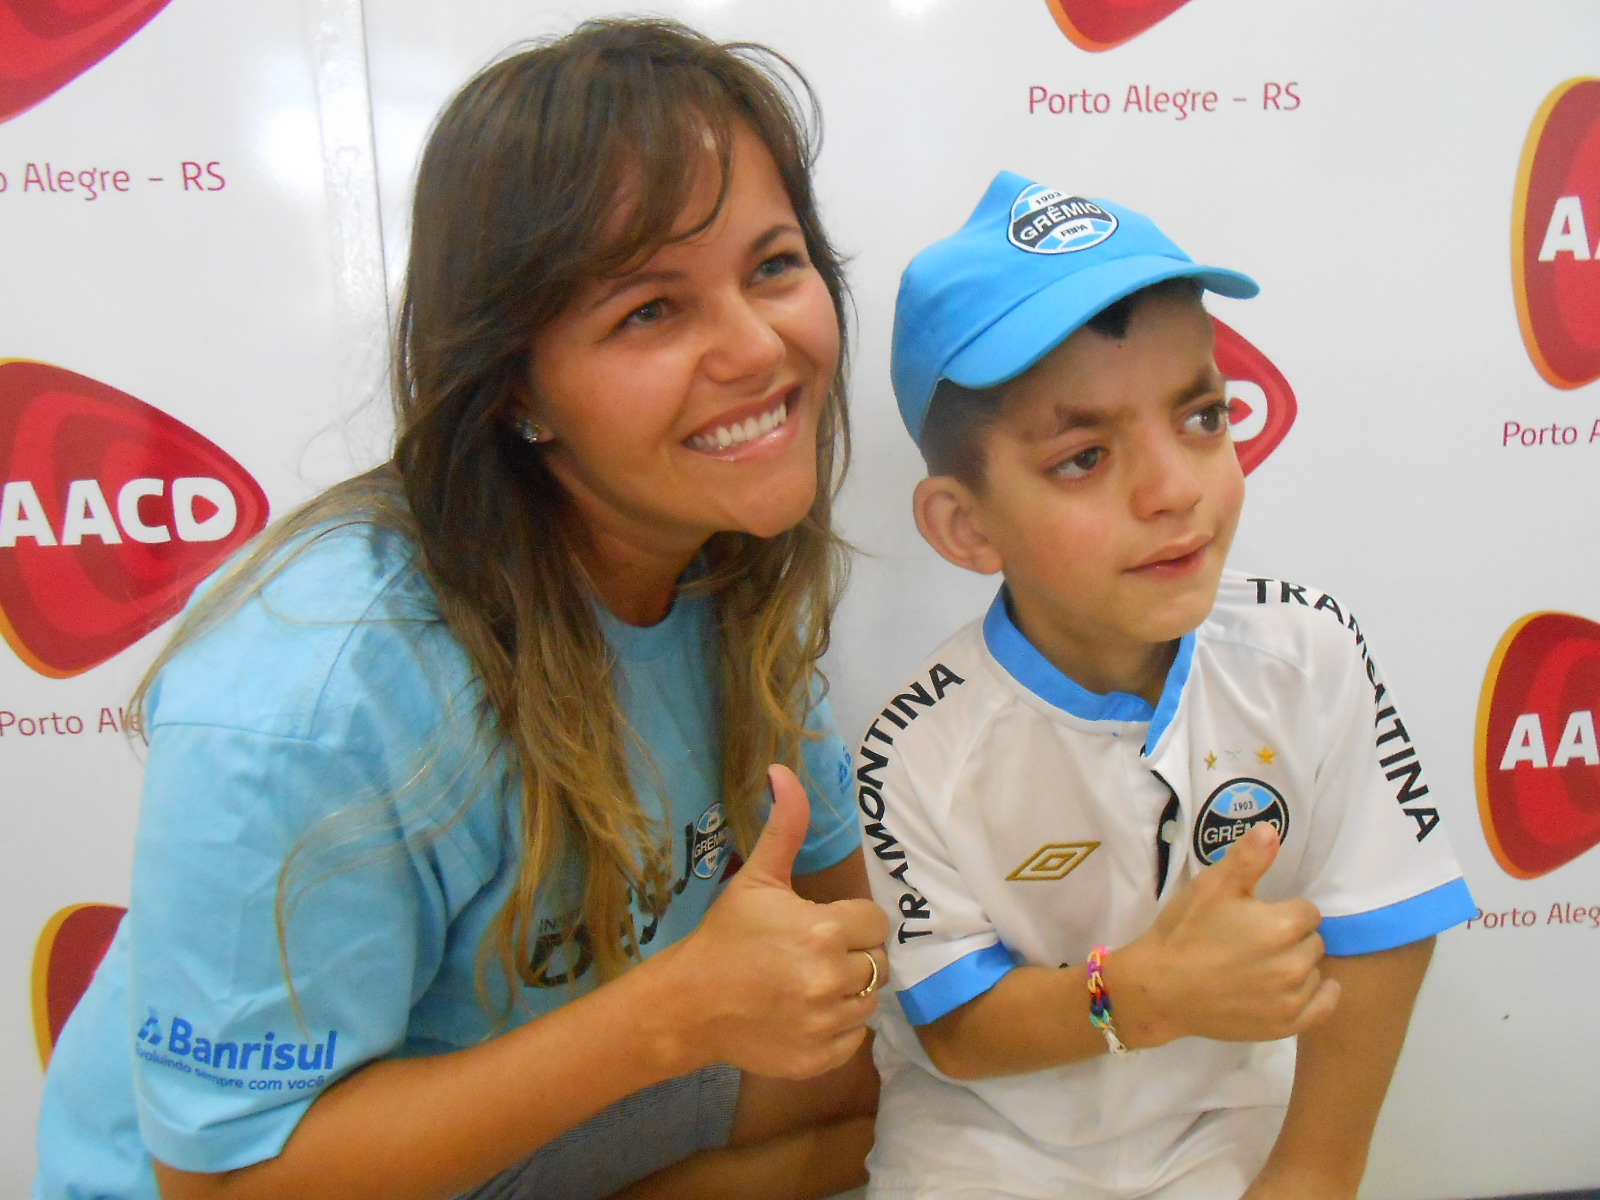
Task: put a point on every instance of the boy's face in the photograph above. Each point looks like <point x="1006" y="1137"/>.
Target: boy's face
<point x="1111" y="493"/>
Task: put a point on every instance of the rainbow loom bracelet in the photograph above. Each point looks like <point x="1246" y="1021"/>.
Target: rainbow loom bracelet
<point x="1100" y="1005"/>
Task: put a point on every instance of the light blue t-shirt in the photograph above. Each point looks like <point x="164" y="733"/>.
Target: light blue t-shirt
<point x="340" y="691"/>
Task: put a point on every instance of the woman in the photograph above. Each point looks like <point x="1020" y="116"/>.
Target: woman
<point x="445" y="777"/>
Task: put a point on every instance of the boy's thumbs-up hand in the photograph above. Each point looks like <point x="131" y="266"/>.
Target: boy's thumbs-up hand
<point x="1247" y="861"/>
<point x="1220" y="963"/>
<point x="773" y="979"/>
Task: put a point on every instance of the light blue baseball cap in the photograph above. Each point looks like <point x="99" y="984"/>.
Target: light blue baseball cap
<point x="1030" y="266"/>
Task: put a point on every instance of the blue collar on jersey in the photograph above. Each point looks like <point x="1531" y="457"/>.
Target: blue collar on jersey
<point x="1040" y="676"/>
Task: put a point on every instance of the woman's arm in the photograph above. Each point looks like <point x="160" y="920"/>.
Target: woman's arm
<point x="431" y="1127"/>
<point x="767" y="982"/>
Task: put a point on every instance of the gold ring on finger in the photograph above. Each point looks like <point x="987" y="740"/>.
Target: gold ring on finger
<point x="877" y="976"/>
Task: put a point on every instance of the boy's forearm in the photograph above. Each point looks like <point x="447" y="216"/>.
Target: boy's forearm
<point x="1034" y="1018"/>
<point x="1342" y="1073"/>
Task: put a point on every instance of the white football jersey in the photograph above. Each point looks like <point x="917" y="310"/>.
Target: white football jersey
<point x="1012" y="817"/>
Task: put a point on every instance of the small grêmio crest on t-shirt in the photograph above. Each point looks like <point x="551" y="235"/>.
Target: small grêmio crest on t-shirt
<point x="708" y="842"/>
<point x="1232" y="810"/>
<point x="1045" y="220"/>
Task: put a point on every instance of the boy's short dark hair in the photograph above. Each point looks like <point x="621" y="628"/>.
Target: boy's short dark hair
<point x="958" y="417"/>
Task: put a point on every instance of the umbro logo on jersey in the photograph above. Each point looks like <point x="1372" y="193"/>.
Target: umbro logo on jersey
<point x="1052" y="862"/>
<point x="1231" y="811"/>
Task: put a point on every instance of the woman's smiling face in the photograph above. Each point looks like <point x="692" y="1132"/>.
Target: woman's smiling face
<point x="682" y="398"/>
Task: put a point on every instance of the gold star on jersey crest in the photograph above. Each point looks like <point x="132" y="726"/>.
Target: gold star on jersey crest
<point x="1266" y="755"/>
<point x="1055" y="861"/>
<point x="1211" y="760"/>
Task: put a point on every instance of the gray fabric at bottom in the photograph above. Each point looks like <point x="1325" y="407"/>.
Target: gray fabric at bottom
<point x="634" y="1138"/>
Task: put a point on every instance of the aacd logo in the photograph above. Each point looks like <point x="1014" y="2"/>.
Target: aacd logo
<point x="110" y="513"/>
<point x="1555" y="236"/>
<point x="1261" y="405"/>
<point x="46" y="44"/>
<point x="1102" y="24"/>
<point x="1538" y="761"/>
<point x="70" y="948"/>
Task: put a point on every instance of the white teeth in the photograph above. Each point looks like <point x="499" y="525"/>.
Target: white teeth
<point x="736" y="435"/>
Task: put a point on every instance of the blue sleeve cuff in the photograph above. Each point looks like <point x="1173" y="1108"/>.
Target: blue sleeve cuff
<point x="948" y="988"/>
<point x="1399" y="924"/>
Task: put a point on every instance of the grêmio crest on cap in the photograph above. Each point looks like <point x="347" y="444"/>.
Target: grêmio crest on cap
<point x="1045" y="220"/>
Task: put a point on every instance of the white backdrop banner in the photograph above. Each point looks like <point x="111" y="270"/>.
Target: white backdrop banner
<point x="192" y="317"/>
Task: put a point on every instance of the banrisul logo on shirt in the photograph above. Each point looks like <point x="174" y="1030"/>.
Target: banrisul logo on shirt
<point x="111" y="512"/>
<point x="1555" y="236"/>
<point x="46" y="44"/>
<point x="1046" y="220"/>
<point x="1538" y="758"/>
<point x="269" y="1064"/>
<point x="1232" y="811"/>
<point x="1101" y="24"/>
<point x="1261" y="404"/>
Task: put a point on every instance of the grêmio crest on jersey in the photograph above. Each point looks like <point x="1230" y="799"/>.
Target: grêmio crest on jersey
<point x="1232" y="810"/>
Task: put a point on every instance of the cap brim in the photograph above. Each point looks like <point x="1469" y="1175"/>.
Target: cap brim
<point x="1048" y="317"/>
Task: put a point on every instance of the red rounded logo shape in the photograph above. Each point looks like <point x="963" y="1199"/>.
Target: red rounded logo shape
<point x="46" y="44"/>
<point x="1102" y="24"/>
<point x="1538" y="762"/>
<point x="111" y="512"/>
<point x="70" y="949"/>
<point x="1555" y="236"/>
<point x="1261" y="404"/>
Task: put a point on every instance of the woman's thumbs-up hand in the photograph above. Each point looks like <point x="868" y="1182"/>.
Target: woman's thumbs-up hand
<point x="774" y="981"/>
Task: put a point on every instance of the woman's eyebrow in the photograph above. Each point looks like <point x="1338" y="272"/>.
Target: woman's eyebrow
<point x="616" y="284"/>
<point x="773" y="234"/>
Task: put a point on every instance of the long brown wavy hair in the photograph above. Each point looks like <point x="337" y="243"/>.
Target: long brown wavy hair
<point x="521" y="171"/>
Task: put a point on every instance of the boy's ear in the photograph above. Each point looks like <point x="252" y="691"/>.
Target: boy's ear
<point x="947" y="516"/>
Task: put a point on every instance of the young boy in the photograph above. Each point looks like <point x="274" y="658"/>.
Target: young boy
<point x="1060" y="776"/>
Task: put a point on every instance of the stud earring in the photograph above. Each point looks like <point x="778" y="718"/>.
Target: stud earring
<point x="530" y="431"/>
